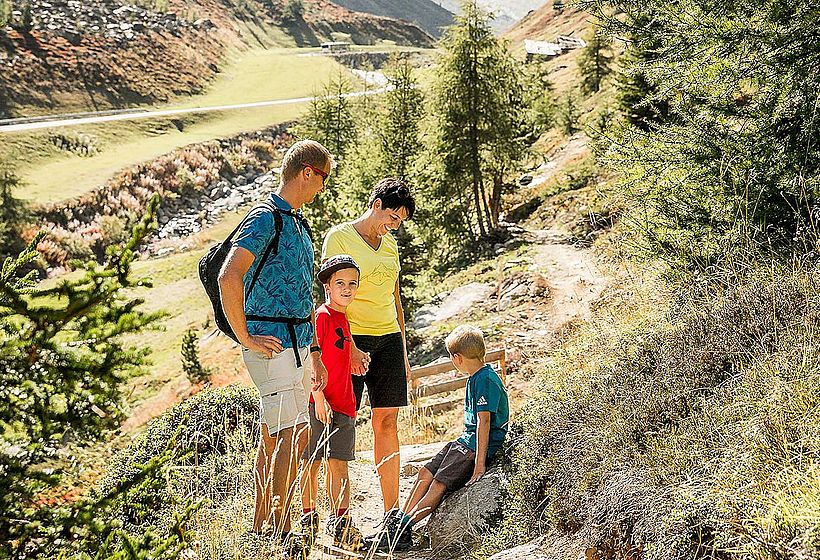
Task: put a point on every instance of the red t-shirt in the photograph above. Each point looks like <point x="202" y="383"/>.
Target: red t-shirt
<point x="333" y="333"/>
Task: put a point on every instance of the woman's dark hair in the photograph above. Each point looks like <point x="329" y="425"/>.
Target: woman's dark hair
<point x="394" y="194"/>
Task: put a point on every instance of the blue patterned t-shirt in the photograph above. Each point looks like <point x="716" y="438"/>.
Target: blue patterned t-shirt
<point x="285" y="283"/>
<point x="485" y="393"/>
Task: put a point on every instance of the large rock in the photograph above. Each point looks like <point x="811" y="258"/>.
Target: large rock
<point x="466" y="512"/>
<point x="458" y="301"/>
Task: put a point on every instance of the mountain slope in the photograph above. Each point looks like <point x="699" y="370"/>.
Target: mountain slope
<point x="506" y="12"/>
<point x="427" y="14"/>
<point x="110" y="54"/>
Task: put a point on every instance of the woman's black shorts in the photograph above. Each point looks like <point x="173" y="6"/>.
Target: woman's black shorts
<point x="386" y="378"/>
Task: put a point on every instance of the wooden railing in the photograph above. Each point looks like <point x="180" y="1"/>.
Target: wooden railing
<point x="421" y="389"/>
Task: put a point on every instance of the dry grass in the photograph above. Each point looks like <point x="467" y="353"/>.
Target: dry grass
<point x="680" y="424"/>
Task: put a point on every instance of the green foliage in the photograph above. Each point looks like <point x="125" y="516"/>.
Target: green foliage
<point x="736" y="165"/>
<point x="193" y="368"/>
<point x="62" y="365"/>
<point x="691" y="434"/>
<point x="595" y="62"/>
<point x="480" y="125"/>
<point x="640" y="90"/>
<point x="14" y="214"/>
<point x="568" y="113"/>
<point x="540" y="98"/>
<point x="5" y="12"/>
<point x="399" y="127"/>
<point x="330" y="118"/>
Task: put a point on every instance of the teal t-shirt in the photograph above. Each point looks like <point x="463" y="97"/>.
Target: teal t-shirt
<point x="486" y="393"/>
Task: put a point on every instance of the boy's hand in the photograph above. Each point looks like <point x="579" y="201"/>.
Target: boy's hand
<point x="359" y="361"/>
<point x="323" y="412"/>
<point x="478" y="472"/>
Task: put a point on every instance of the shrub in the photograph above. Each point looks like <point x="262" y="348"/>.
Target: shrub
<point x="213" y="436"/>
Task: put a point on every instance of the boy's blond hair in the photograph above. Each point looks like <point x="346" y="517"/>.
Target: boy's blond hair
<point x="468" y="341"/>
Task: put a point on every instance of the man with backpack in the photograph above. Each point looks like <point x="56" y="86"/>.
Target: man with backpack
<point x="265" y="290"/>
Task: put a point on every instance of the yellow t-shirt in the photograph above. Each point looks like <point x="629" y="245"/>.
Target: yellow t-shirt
<point x="373" y="310"/>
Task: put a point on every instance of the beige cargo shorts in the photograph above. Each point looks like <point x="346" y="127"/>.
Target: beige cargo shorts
<point x="283" y="388"/>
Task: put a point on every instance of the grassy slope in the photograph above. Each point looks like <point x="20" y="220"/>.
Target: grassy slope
<point x="254" y="75"/>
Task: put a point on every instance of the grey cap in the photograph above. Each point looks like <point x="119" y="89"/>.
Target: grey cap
<point x="334" y="263"/>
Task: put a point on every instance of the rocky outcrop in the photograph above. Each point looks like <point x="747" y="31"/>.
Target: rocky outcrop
<point x="72" y="19"/>
<point x="100" y="54"/>
<point x="466" y="513"/>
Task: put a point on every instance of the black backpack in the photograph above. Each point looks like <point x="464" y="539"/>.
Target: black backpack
<point x="211" y="264"/>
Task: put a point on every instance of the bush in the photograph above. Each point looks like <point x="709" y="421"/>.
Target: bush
<point x="213" y="436"/>
<point x="691" y="435"/>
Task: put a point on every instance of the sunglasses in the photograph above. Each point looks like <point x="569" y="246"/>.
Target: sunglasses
<point x="320" y="172"/>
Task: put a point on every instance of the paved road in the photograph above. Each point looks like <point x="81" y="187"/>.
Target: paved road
<point x="61" y="120"/>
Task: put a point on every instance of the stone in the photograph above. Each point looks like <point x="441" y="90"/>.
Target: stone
<point x="458" y="301"/>
<point x="466" y="511"/>
<point x="525" y="180"/>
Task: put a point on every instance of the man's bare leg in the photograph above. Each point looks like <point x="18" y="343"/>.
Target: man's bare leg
<point x="272" y="468"/>
<point x="386" y="454"/>
<point x="310" y="484"/>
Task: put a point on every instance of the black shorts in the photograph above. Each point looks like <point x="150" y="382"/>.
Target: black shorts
<point x="335" y="441"/>
<point x="453" y="466"/>
<point x="386" y="378"/>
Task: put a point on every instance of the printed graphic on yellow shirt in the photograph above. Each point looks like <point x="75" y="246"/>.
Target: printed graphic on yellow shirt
<point x="380" y="275"/>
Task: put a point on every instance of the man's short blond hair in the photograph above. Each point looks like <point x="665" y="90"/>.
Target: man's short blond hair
<point x="304" y="151"/>
<point x="468" y="341"/>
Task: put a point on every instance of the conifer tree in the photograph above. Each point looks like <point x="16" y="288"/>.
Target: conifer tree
<point x="595" y="62"/>
<point x="481" y="122"/>
<point x="13" y="214"/>
<point x="63" y="362"/>
<point x="399" y="127"/>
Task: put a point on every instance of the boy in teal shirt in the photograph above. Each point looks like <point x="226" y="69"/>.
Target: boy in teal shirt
<point x="463" y="461"/>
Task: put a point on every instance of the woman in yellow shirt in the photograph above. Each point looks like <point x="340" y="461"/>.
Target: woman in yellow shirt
<point x="377" y="320"/>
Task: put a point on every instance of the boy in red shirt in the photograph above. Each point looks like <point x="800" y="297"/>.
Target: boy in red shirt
<point x="333" y="410"/>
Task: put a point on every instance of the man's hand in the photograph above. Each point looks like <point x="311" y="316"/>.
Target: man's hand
<point x="267" y="345"/>
<point x="359" y="361"/>
<point x="478" y="472"/>
<point x="318" y="374"/>
<point x="323" y="412"/>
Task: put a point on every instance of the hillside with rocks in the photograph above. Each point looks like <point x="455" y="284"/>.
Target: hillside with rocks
<point x="104" y="54"/>
<point x="427" y="14"/>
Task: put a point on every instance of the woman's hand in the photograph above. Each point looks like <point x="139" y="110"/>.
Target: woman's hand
<point x="407" y="369"/>
<point x="359" y="361"/>
<point x="323" y="412"/>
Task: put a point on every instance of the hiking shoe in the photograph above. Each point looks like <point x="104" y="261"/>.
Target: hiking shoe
<point x="393" y="536"/>
<point x="295" y="546"/>
<point x="309" y="522"/>
<point x="345" y="534"/>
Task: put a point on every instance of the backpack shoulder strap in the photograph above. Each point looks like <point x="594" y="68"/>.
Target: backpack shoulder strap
<point x="273" y="244"/>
